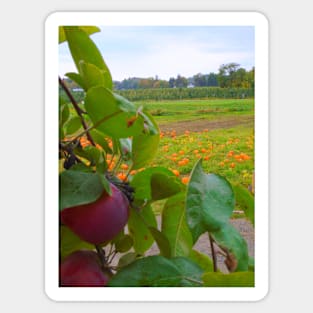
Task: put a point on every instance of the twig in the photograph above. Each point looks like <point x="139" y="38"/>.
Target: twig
<point x="112" y="256"/>
<point x="101" y="255"/>
<point x="213" y="254"/>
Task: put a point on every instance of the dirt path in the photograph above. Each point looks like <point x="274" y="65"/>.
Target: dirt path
<point x="201" y="124"/>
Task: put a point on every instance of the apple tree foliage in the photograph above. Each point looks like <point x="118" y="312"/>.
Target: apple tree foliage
<point x="114" y="126"/>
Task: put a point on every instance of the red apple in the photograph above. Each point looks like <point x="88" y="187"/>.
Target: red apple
<point x="82" y="269"/>
<point x="99" y="221"/>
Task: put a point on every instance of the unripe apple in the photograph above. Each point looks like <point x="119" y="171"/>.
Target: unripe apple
<point x="82" y="269"/>
<point x="99" y="221"/>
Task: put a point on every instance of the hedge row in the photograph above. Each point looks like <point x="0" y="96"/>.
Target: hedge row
<point x="186" y="93"/>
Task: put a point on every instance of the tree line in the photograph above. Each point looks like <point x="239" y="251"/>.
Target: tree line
<point x="230" y="75"/>
<point x="231" y="81"/>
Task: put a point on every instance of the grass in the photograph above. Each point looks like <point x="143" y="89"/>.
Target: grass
<point x="211" y="109"/>
<point x="228" y="152"/>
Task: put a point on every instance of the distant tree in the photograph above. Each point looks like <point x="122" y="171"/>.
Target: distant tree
<point x="199" y="80"/>
<point x="161" y="84"/>
<point x="181" y="81"/>
<point x="171" y="82"/>
<point x="146" y="83"/>
<point x="212" y="80"/>
<point x="240" y="79"/>
<point x="129" y="83"/>
<point x="226" y="76"/>
<point x="250" y="76"/>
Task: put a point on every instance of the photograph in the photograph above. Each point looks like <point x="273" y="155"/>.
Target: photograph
<point x="160" y="177"/>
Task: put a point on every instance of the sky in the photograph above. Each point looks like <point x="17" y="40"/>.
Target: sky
<point x="166" y="51"/>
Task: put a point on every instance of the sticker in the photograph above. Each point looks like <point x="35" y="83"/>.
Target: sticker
<point x="156" y="156"/>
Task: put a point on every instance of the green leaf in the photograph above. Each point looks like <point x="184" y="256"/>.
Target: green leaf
<point x="108" y="116"/>
<point x="127" y="259"/>
<point x="245" y="200"/>
<point x="138" y="226"/>
<point x="77" y="78"/>
<point x="90" y="153"/>
<point x="99" y="138"/>
<point x="82" y="48"/>
<point x="239" y="279"/>
<point x="202" y="260"/>
<point x="62" y="100"/>
<point x="124" y="243"/>
<point x="174" y="226"/>
<point x="151" y="126"/>
<point x="81" y="167"/>
<point x="77" y="188"/>
<point x="123" y="104"/>
<point x="105" y="183"/>
<point x="156" y="183"/>
<point x="64" y="114"/>
<point x="93" y="76"/>
<point x="210" y="201"/>
<point x="69" y="242"/>
<point x="145" y="146"/>
<point x="158" y="271"/>
<point x="162" y="242"/>
<point x="190" y="271"/>
<point x="251" y="264"/>
<point x="73" y="125"/>
<point x="152" y="271"/>
<point x="125" y="148"/>
<point x="230" y="240"/>
<point x="89" y="30"/>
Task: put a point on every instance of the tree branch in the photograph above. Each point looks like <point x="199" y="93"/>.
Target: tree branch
<point x="77" y="109"/>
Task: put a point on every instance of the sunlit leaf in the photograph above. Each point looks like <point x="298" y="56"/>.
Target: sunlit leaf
<point x="245" y="200"/>
<point x="239" y="279"/>
<point x="73" y="125"/>
<point x="77" y="78"/>
<point x="82" y="48"/>
<point x="203" y="260"/>
<point x="145" y="148"/>
<point x="174" y="226"/>
<point x="89" y="30"/>
<point x="109" y="116"/>
<point x="93" y="76"/>
<point x="155" y="183"/>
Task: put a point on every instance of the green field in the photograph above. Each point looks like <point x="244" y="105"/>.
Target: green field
<point x="210" y="109"/>
<point x="221" y="132"/>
